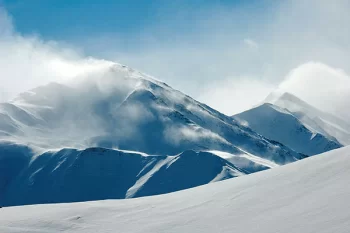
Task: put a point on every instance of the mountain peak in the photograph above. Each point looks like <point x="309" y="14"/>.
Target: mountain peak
<point x="278" y="98"/>
<point x="290" y="97"/>
<point x="279" y="124"/>
<point x="314" y="119"/>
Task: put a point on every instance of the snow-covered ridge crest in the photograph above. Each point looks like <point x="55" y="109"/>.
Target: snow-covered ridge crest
<point x="71" y="175"/>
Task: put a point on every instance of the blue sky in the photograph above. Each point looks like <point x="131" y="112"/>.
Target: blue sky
<point x="229" y="54"/>
<point x="60" y="18"/>
<point x="132" y="24"/>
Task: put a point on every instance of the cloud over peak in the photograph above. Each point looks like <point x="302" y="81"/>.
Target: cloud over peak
<point x="29" y="61"/>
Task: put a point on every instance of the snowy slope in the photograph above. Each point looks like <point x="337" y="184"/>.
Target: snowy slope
<point x="292" y="198"/>
<point x="280" y="125"/>
<point x="313" y="118"/>
<point x="71" y="175"/>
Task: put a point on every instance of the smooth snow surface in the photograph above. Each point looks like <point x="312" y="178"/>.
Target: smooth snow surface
<point x="280" y="125"/>
<point x="308" y="196"/>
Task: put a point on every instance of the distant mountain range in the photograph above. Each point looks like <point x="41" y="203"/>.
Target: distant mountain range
<point x="121" y="134"/>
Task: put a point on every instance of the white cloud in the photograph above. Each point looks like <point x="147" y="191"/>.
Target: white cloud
<point x="27" y="62"/>
<point x="235" y="95"/>
<point x="325" y="87"/>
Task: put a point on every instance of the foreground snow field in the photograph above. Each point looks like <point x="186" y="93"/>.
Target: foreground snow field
<point x="307" y="196"/>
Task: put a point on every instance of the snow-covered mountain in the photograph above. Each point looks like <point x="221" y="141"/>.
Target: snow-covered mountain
<point x="313" y="118"/>
<point x="307" y="196"/>
<point x="281" y="125"/>
<point x="125" y="109"/>
<point x="125" y="133"/>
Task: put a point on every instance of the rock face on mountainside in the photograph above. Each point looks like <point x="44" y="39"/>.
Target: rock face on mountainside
<point x="279" y="124"/>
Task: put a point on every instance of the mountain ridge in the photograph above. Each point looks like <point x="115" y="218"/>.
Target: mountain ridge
<point x="71" y="175"/>
<point x="122" y="111"/>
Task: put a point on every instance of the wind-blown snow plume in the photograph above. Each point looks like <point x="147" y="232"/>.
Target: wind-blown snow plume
<point x="28" y="61"/>
<point x="320" y="85"/>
